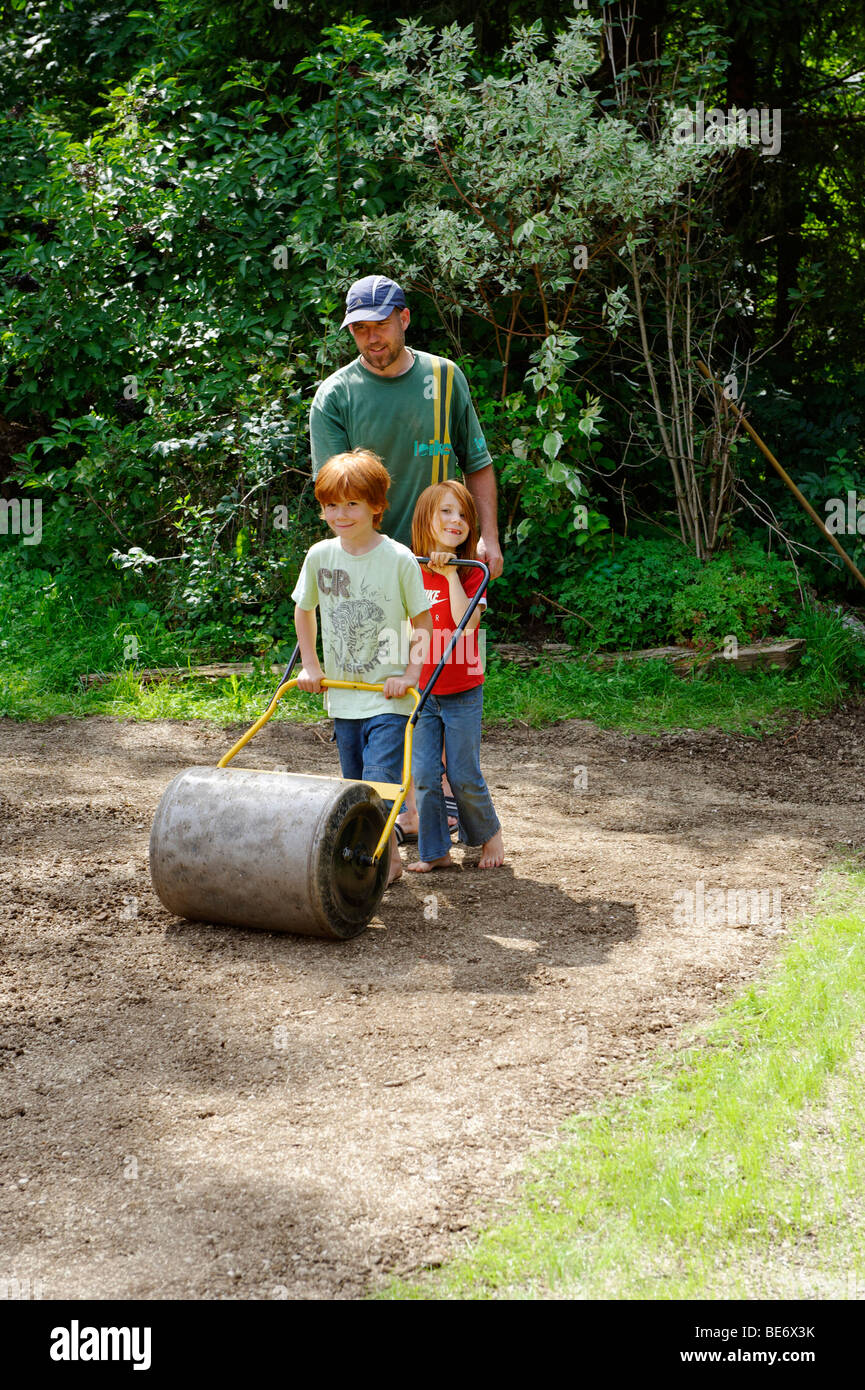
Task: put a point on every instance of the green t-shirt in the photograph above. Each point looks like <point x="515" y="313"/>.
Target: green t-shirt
<point x="365" y="602"/>
<point x="422" y="424"/>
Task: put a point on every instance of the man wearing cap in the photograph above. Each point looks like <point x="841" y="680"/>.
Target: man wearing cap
<point x="413" y="408"/>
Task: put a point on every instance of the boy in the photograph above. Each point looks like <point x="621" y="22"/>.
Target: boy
<point x="366" y="586"/>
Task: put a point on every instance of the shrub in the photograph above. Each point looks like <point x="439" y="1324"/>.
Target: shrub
<point x="747" y="594"/>
<point x="648" y="592"/>
<point x="625" y="600"/>
<point x="835" y="653"/>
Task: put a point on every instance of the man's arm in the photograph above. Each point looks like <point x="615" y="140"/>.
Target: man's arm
<point x="482" y="486"/>
<point x="473" y="458"/>
<point x="327" y="434"/>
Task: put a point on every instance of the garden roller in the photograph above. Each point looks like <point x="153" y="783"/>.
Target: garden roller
<point x="282" y="851"/>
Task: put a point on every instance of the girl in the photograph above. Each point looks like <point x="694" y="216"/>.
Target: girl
<point x="445" y="524"/>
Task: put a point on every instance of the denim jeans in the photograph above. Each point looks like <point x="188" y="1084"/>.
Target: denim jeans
<point x="455" y="722"/>
<point x="371" y="750"/>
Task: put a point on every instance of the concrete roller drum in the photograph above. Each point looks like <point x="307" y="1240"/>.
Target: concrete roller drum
<point x="275" y="850"/>
<point x="284" y="851"/>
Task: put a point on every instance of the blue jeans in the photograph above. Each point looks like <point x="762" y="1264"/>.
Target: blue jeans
<point x="455" y="722"/>
<point x="372" y="749"/>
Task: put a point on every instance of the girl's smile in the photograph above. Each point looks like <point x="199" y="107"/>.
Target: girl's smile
<point x="449" y="525"/>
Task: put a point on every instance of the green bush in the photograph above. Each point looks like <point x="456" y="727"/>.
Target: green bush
<point x="625" y="600"/>
<point x="748" y="595"/>
<point x="834" y="656"/>
<point x="648" y="592"/>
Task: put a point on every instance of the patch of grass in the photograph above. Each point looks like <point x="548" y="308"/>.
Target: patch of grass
<point x="737" y="1169"/>
<point x="54" y="628"/>
<point x="647" y="697"/>
<point x="236" y="699"/>
<point x="644" y="699"/>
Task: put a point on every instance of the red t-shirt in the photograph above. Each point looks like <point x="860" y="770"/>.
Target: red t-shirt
<point x="463" y="669"/>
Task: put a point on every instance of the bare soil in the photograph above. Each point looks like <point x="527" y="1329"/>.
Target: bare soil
<point x="203" y="1112"/>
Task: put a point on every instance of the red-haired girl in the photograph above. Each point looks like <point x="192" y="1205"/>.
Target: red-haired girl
<point x="445" y="526"/>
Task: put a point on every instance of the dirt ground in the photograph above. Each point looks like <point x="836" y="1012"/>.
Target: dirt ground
<point x="204" y="1112"/>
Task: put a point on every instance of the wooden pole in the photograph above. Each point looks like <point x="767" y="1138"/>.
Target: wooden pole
<point x="785" y="476"/>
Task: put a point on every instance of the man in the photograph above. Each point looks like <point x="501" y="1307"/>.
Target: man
<point x="415" y="411"/>
<point x="411" y="408"/>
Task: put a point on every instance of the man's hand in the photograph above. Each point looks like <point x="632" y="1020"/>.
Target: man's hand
<point x="490" y="553"/>
<point x="310" y="680"/>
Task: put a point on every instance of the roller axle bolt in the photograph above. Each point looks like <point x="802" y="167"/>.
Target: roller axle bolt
<point x="357" y="856"/>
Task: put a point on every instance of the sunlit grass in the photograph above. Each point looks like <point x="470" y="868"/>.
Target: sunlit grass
<point x="50" y="635"/>
<point x="726" y="1174"/>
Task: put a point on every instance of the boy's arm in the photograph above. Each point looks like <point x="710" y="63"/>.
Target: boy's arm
<point x="306" y="627"/>
<point x="422" y="629"/>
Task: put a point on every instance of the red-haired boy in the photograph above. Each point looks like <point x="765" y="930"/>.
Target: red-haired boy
<point x="367" y="588"/>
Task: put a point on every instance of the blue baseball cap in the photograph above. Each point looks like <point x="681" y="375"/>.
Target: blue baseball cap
<point x="372" y="299"/>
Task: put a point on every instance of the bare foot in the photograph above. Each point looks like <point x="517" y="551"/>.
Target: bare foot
<point x="424" y="866"/>
<point x="492" y="853"/>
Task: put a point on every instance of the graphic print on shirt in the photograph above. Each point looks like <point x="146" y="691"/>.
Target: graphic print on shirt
<point x="356" y="624"/>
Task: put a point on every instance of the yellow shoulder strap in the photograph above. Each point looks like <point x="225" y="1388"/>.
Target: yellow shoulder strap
<point x="442" y="418"/>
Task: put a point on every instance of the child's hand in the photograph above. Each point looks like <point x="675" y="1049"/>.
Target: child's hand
<point x="438" y="561"/>
<point x="395" y="687"/>
<point x="310" y="681"/>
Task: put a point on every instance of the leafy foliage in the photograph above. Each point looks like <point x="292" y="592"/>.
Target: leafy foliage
<point x="187" y="190"/>
<point x="625" y="599"/>
<point x="747" y="595"/>
<point x="650" y="592"/>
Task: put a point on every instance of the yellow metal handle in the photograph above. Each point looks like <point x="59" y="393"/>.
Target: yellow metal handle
<point x="341" y="685"/>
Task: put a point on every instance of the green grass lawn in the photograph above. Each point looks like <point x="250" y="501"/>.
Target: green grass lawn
<point x="648" y="699"/>
<point x="50" y="635"/>
<point x="736" y="1169"/>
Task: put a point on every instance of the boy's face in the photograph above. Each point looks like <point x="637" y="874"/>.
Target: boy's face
<point x="353" y="520"/>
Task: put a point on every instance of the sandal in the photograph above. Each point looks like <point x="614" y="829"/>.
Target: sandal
<point x="453" y="813"/>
